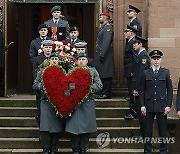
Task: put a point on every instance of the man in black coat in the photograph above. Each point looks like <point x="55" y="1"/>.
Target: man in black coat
<point x="36" y="43"/>
<point x="142" y="62"/>
<point x="156" y="100"/>
<point x="104" y="60"/>
<point x="134" y="21"/>
<point x="129" y="57"/>
<point x="73" y="35"/>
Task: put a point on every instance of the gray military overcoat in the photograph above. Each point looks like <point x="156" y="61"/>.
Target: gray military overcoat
<point x="83" y="119"/>
<point x="48" y="119"/>
<point x="104" y="50"/>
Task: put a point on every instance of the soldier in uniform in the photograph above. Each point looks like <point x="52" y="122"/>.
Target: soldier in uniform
<point x="58" y="20"/>
<point x="104" y="60"/>
<point x="73" y="35"/>
<point x="83" y="120"/>
<point x="156" y="100"/>
<point x="129" y="57"/>
<point x="50" y="124"/>
<point x="81" y="47"/>
<point x="134" y="21"/>
<point x="36" y="43"/>
<point x="46" y="49"/>
<point x="142" y="62"/>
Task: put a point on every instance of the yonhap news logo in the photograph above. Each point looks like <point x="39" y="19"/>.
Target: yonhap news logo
<point x="103" y="140"/>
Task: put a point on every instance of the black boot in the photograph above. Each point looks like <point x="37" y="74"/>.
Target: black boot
<point x="45" y="151"/>
<point x="82" y="152"/>
<point x="75" y="151"/>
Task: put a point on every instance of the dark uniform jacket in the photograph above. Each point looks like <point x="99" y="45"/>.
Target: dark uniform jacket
<point x="141" y="63"/>
<point x="137" y="24"/>
<point x="129" y="57"/>
<point x="61" y="23"/>
<point x="34" y="47"/>
<point x="37" y="61"/>
<point x="76" y="41"/>
<point x="178" y="97"/>
<point x="156" y="92"/>
<point x="104" y="60"/>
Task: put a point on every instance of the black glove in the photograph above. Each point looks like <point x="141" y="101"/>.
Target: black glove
<point x="101" y="59"/>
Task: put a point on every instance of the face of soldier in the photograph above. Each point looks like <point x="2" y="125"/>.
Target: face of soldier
<point x="56" y="14"/>
<point x="137" y="46"/>
<point x="74" y="34"/>
<point x="53" y="60"/>
<point x="102" y="19"/>
<point x="47" y="50"/>
<point x="131" y="14"/>
<point x="79" y="50"/>
<point x="82" y="61"/>
<point x="43" y="32"/>
<point x="156" y="61"/>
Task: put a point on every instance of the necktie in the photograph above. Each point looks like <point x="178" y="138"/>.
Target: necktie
<point x="43" y="39"/>
<point x="155" y="71"/>
<point x="55" y="22"/>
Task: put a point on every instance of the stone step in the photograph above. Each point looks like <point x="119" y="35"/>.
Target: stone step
<point x="33" y="132"/>
<point x="32" y="122"/>
<point x="68" y="151"/>
<point x="33" y="143"/>
<point x="109" y="112"/>
<point x="121" y="102"/>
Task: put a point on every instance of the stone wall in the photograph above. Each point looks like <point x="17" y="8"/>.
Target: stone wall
<point x="164" y="33"/>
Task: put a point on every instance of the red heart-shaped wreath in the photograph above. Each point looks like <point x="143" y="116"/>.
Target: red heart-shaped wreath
<point x="66" y="91"/>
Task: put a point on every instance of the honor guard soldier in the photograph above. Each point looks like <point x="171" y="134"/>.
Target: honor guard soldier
<point x="36" y="43"/>
<point x="58" y="26"/>
<point x="141" y="63"/>
<point x="81" y="47"/>
<point x="83" y="120"/>
<point x="156" y="100"/>
<point x="104" y="60"/>
<point x="73" y="35"/>
<point x="129" y="57"/>
<point x="50" y="124"/>
<point x="134" y="21"/>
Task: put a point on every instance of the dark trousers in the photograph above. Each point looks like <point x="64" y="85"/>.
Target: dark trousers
<point x="49" y="141"/>
<point x="162" y="128"/>
<point x="80" y="142"/>
<point x="140" y="117"/>
<point x="133" y="107"/>
<point x="107" y="86"/>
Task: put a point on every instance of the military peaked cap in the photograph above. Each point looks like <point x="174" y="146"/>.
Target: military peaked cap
<point x="156" y="53"/>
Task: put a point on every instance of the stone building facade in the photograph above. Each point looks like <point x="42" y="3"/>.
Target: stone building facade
<point x="161" y="25"/>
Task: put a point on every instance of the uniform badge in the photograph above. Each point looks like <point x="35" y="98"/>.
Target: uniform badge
<point x="143" y="61"/>
<point x="108" y="29"/>
<point x="135" y="26"/>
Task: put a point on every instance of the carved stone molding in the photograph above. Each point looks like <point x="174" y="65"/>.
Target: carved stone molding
<point x="1" y="15"/>
<point x="109" y="6"/>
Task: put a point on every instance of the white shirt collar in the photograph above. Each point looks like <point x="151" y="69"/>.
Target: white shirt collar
<point x="140" y="51"/>
<point x="155" y="68"/>
<point x="55" y="20"/>
<point x="132" y="19"/>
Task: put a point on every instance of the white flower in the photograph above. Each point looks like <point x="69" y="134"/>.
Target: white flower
<point x="40" y="51"/>
<point x="67" y="48"/>
<point x="68" y="44"/>
<point x="73" y="49"/>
